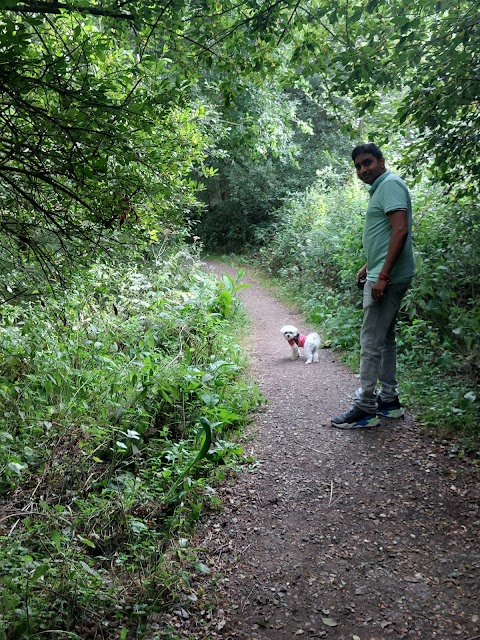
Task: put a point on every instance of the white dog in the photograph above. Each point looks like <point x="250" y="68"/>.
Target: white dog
<point x="309" y="343"/>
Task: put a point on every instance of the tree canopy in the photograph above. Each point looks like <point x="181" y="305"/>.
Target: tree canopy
<point x="80" y="126"/>
<point x="426" y="52"/>
<point x="110" y="108"/>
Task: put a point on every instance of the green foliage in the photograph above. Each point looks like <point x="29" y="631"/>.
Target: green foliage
<point x="315" y="231"/>
<point x="446" y="292"/>
<point x="119" y="107"/>
<point x="80" y="165"/>
<point x="315" y="254"/>
<point x="226" y="301"/>
<point x="118" y="405"/>
<point x="108" y="113"/>
<point x="281" y="142"/>
<point x="426" y="55"/>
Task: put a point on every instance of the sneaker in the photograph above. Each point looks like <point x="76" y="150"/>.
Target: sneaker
<point x="355" y="419"/>
<point x="389" y="409"/>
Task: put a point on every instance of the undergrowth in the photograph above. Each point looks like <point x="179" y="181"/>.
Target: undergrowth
<point x="120" y="404"/>
<point x="313" y="254"/>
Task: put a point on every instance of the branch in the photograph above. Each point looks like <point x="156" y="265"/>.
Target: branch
<point x="289" y="21"/>
<point x="314" y="17"/>
<point x="37" y="206"/>
<point x="263" y="12"/>
<point x="58" y="7"/>
<point x="41" y="175"/>
<point x="15" y="295"/>
<point x="159" y="17"/>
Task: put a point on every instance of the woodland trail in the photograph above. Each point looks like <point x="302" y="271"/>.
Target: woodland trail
<point x="362" y="535"/>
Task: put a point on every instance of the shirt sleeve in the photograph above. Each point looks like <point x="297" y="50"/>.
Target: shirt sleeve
<point x="394" y="196"/>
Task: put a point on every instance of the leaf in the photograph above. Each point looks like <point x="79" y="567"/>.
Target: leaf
<point x="329" y="622"/>
<point x="56" y="538"/>
<point x="9" y="601"/>
<point x="207" y="426"/>
<point x="86" y="541"/>
<point x="209" y="399"/>
<point x="118" y="414"/>
<point x="40" y="571"/>
<point x="228" y="282"/>
<point x="132" y="434"/>
<point x="202" y="568"/>
<point x="89" y="570"/>
<point x="16" y="467"/>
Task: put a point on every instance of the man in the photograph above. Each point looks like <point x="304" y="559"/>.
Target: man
<point x="390" y="266"/>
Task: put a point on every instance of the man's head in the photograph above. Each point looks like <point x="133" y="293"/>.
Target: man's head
<point x="369" y="162"/>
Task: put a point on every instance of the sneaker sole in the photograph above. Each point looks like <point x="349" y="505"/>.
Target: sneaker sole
<point x="391" y="413"/>
<point x="364" y="424"/>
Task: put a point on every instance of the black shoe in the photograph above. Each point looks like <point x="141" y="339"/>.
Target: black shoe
<point x="389" y="409"/>
<point x="355" y="419"/>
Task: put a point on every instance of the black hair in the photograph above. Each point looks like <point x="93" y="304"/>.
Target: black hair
<point x="369" y="147"/>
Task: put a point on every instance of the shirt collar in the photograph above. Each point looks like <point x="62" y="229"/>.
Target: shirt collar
<point x="378" y="181"/>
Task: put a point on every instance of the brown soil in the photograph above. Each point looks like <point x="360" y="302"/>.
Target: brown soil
<point x="346" y="535"/>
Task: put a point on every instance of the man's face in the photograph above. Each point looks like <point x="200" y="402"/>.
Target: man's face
<point x="368" y="167"/>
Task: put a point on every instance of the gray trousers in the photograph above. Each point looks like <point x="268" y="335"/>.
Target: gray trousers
<point x="378" y="348"/>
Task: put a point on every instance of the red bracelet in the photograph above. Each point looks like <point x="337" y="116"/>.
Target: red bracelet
<point x="383" y="276"/>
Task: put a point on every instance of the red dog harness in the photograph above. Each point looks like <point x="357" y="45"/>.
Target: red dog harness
<point x="299" y="340"/>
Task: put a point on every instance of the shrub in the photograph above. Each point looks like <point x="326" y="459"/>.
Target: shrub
<point x="315" y="253"/>
<point x="118" y="405"/>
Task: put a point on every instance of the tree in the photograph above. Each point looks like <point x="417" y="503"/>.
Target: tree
<point x="101" y="122"/>
<point x="79" y="154"/>
<point x="277" y="143"/>
<point x="428" y="53"/>
<point x="109" y="108"/>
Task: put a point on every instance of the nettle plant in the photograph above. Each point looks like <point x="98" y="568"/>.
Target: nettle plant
<point x="118" y="405"/>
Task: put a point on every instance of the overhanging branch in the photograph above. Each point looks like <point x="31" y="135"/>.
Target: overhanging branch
<point x="59" y="7"/>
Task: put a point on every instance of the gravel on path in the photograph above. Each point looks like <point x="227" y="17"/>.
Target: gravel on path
<point x="347" y="535"/>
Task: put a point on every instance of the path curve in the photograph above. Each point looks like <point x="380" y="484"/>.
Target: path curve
<point x="367" y="535"/>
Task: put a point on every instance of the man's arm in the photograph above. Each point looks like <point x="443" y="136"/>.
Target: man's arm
<point x="398" y="220"/>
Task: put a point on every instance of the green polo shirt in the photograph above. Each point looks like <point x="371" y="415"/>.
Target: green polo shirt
<point x="387" y="194"/>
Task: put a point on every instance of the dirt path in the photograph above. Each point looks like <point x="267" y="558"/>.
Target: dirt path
<point x="359" y="535"/>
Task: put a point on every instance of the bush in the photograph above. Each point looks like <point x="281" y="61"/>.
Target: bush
<point x="315" y="253"/>
<point x="118" y="404"/>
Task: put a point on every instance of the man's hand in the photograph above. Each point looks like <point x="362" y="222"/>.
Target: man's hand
<point x="362" y="274"/>
<point x="378" y="290"/>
